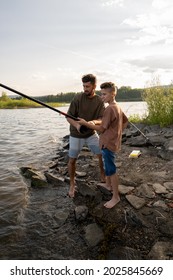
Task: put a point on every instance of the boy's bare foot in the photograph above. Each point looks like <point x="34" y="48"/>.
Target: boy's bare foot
<point x="111" y="203"/>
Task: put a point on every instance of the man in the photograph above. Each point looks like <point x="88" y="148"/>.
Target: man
<point x="89" y="106"/>
<point x="111" y="127"/>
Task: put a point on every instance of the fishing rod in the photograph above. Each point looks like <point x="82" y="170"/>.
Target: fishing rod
<point x="82" y="128"/>
<point x="147" y="139"/>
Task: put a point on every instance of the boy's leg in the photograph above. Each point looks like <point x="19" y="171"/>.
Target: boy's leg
<point x="93" y="143"/>
<point x="102" y="172"/>
<point x="115" y="198"/>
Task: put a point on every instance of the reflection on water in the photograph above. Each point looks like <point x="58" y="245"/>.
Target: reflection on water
<point x="30" y="136"/>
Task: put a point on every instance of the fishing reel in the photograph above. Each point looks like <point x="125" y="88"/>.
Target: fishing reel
<point x="83" y="129"/>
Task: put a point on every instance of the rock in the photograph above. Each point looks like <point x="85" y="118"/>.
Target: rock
<point x="166" y="227"/>
<point x="145" y="191"/>
<point x="133" y="218"/>
<point x="61" y="216"/>
<point x="93" y="235"/>
<point x="160" y="203"/>
<point x="161" y="251"/>
<point x="37" y="182"/>
<point x="125" y="189"/>
<point x="55" y="180"/>
<point x="167" y="151"/>
<point x="161" y="174"/>
<point x="135" y="201"/>
<point x="159" y="189"/>
<point x="169" y="196"/>
<point x="86" y="190"/>
<point x="81" y="174"/>
<point x="168" y="186"/>
<point x="124" y="253"/>
<point x="81" y="212"/>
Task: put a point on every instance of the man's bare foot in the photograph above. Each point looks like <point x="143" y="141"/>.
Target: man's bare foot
<point x="109" y="188"/>
<point x="72" y="191"/>
<point x="111" y="203"/>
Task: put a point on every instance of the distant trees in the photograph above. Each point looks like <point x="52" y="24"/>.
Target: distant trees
<point x="129" y="94"/>
<point x="124" y="94"/>
<point x="4" y="97"/>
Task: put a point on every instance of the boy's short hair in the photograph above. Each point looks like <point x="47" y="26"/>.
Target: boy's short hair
<point x="109" y="85"/>
<point x="89" y="78"/>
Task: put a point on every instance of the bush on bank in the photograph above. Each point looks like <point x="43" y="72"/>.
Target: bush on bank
<point x="159" y="105"/>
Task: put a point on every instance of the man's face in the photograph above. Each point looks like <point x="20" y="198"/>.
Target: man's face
<point x="89" y="89"/>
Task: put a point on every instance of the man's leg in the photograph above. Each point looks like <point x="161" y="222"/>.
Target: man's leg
<point x="76" y="145"/>
<point x="71" y="170"/>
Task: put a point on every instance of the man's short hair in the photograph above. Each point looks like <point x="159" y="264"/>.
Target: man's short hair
<point x="89" y="78"/>
<point x="109" y="85"/>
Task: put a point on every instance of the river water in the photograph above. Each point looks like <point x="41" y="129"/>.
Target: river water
<point x="30" y="137"/>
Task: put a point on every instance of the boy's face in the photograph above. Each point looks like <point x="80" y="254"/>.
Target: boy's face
<point x="89" y="89"/>
<point x="106" y="95"/>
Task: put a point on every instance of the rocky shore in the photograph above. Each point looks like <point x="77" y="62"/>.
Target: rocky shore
<point x="55" y="226"/>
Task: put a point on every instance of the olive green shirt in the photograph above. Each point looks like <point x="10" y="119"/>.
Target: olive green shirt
<point x="85" y="108"/>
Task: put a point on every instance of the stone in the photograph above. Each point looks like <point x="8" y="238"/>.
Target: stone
<point x="38" y="182"/>
<point x="160" y="203"/>
<point x="161" y="251"/>
<point x="93" y="234"/>
<point x="166" y="227"/>
<point x="61" y="216"/>
<point x="135" y="201"/>
<point x="55" y="180"/>
<point x="125" y="189"/>
<point x="168" y="185"/>
<point x="124" y="253"/>
<point x="145" y="191"/>
<point x="81" y="174"/>
<point x="81" y="212"/>
<point x="159" y="189"/>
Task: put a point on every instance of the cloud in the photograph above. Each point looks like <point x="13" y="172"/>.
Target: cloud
<point x="153" y="26"/>
<point x="39" y="76"/>
<point x="108" y="3"/>
<point x="153" y="63"/>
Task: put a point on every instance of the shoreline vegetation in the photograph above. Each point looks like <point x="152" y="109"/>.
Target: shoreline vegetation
<point x="159" y="101"/>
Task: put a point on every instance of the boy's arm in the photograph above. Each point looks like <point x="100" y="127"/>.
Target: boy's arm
<point x="92" y="124"/>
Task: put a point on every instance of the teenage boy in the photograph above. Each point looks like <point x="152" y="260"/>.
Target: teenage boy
<point x="110" y="129"/>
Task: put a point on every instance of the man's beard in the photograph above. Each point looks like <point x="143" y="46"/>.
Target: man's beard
<point x="89" y="93"/>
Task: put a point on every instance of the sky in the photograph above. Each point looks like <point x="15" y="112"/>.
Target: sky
<point x="46" y="46"/>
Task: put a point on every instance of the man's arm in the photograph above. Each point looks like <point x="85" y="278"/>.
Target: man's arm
<point x="74" y="123"/>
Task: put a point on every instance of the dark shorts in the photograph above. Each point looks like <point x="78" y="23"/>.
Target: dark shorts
<point x="109" y="162"/>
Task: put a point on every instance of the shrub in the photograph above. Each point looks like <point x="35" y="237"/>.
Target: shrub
<point x="160" y="104"/>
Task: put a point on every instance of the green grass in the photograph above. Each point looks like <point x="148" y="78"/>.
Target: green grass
<point x="23" y="103"/>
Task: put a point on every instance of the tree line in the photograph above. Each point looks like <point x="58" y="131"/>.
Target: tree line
<point x="124" y="94"/>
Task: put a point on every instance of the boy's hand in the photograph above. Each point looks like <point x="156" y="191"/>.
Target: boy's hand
<point x="82" y="122"/>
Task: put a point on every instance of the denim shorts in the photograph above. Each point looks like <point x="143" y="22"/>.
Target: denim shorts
<point x="109" y="162"/>
<point x="76" y="145"/>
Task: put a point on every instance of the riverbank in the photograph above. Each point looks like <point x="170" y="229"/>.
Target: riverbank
<point x="55" y="226"/>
